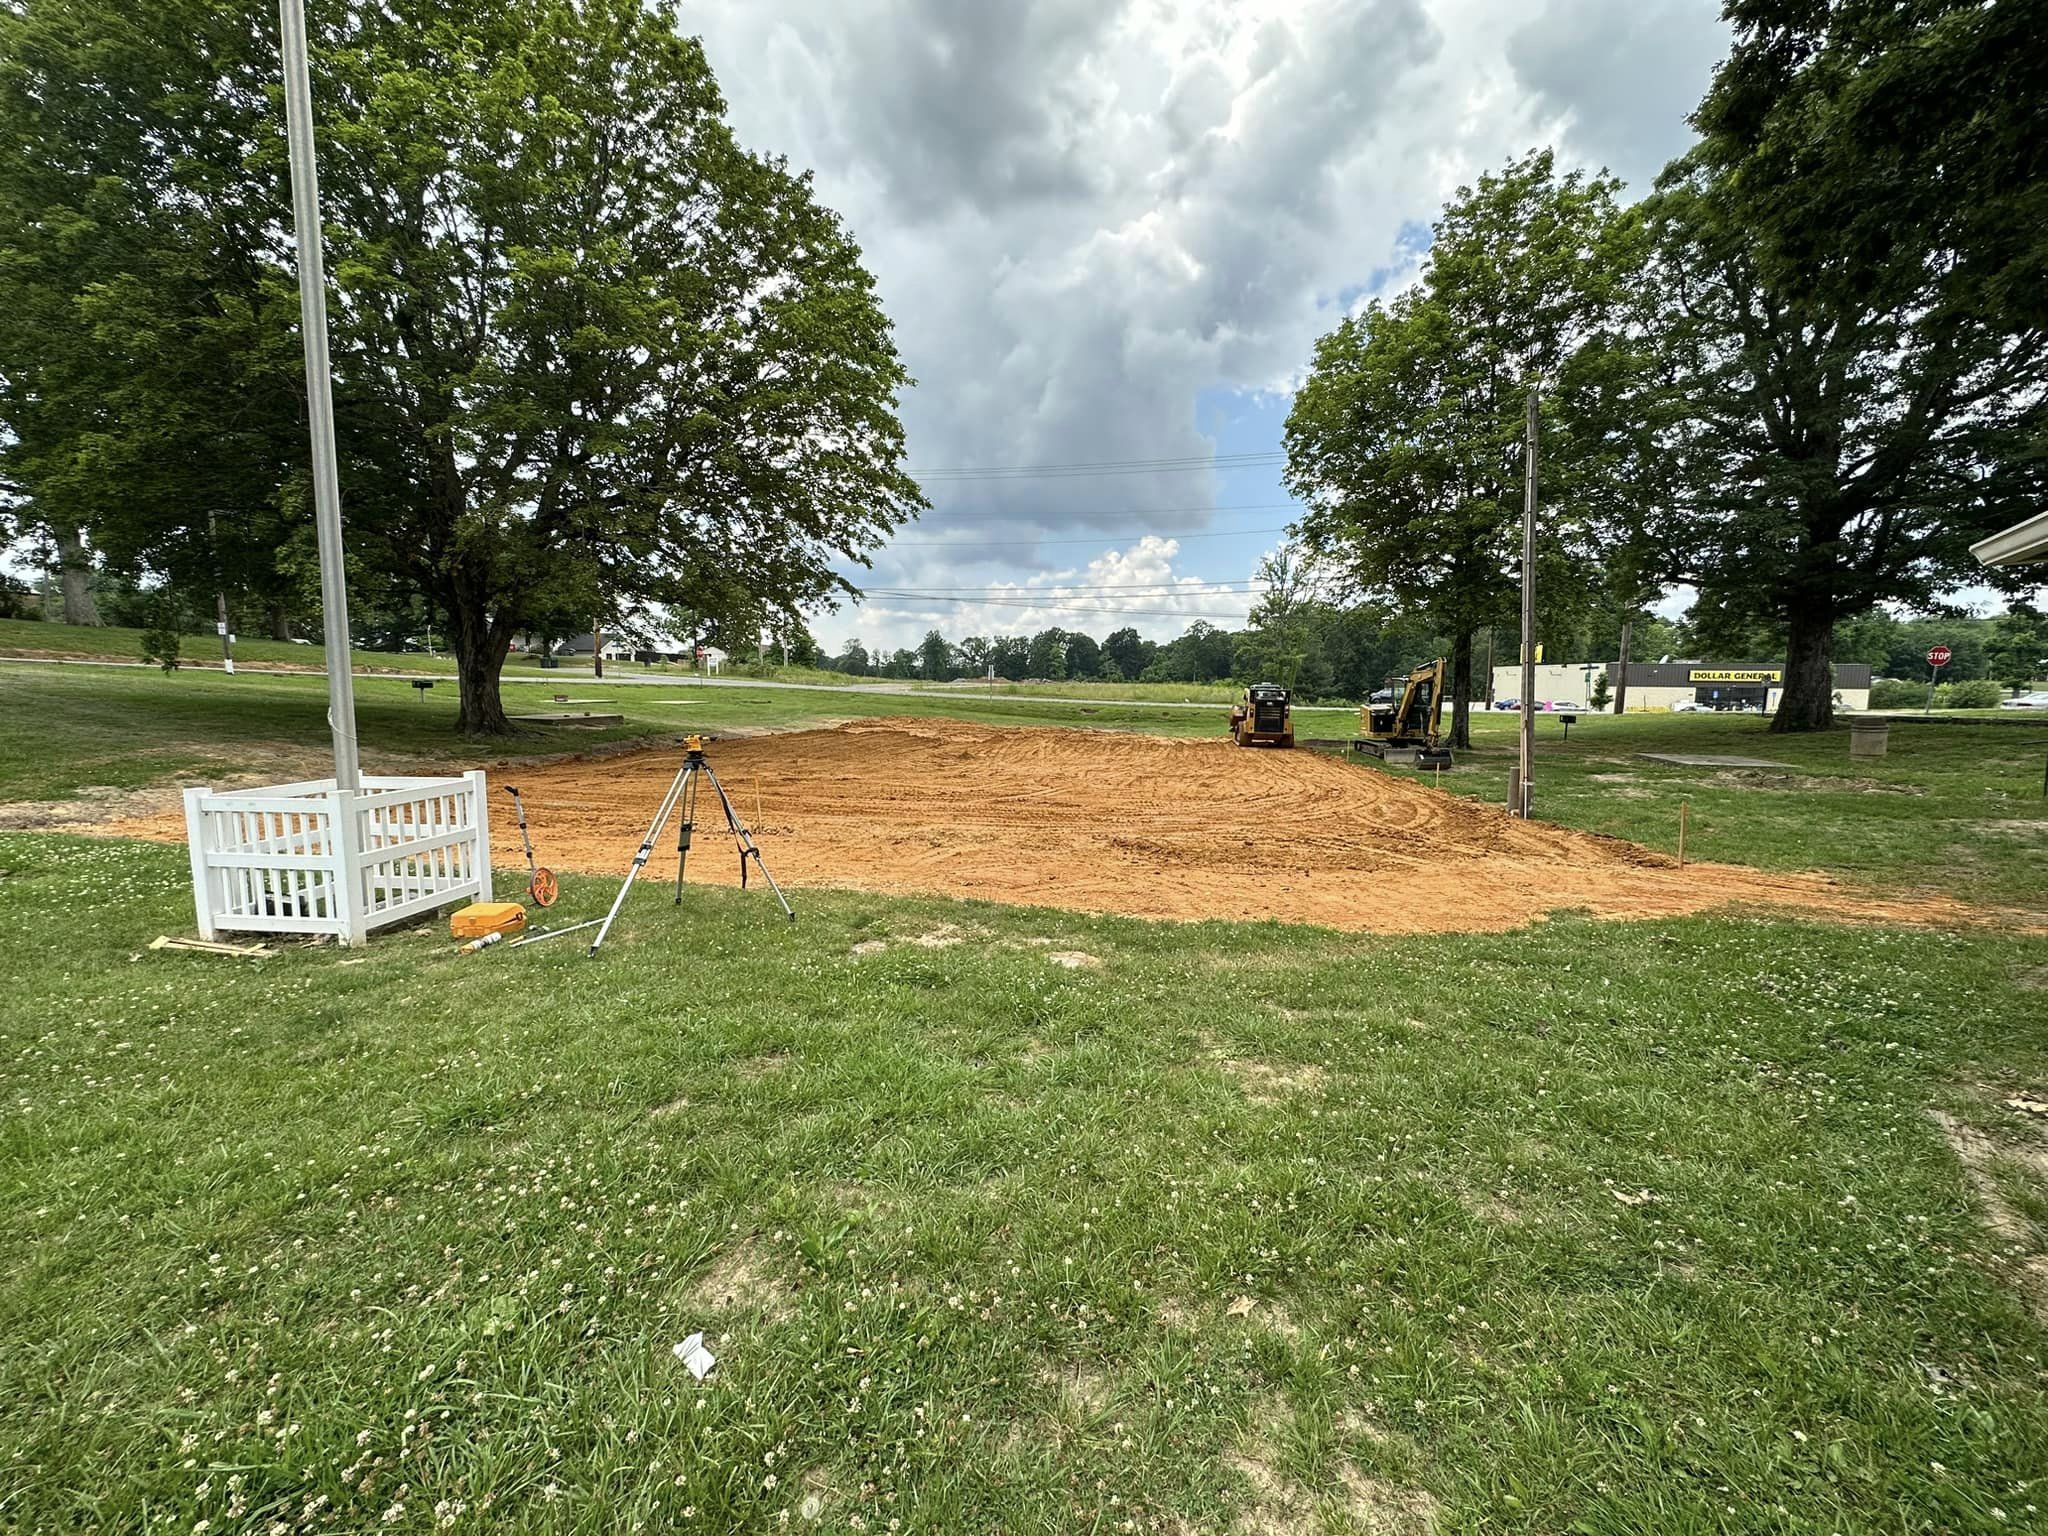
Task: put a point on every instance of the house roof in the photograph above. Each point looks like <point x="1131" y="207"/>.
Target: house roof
<point x="2021" y="544"/>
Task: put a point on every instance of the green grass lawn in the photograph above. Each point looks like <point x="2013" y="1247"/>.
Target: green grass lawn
<point x="1953" y="807"/>
<point x="1008" y="1219"/>
<point x="108" y="642"/>
<point x="1591" y="1229"/>
<point x="63" y="730"/>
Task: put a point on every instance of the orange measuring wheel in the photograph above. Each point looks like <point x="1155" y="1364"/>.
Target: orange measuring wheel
<point x="543" y="887"/>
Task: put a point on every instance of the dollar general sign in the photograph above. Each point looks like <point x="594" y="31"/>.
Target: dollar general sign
<point x="1736" y="675"/>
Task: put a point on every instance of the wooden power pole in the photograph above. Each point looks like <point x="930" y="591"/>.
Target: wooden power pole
<point x="1628" y="627"/>
<point x="1527" y="758"/>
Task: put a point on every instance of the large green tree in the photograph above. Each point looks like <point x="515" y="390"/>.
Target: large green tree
<point x="1406" y="441"/>
<point x="589" y="352"/>
<point x="142" y="308"/>
<point x="1852" y="261"/>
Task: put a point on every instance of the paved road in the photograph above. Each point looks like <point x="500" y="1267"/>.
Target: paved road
<point x="564" y="681"/>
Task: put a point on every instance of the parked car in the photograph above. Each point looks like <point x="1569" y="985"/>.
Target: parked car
<point x="1507" y="704"/>
<point x="1566" y="707"/>
<point x="1690" y="707"/>
<point x="2025" y="701"/>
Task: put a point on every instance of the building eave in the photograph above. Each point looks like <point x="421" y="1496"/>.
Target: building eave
<point x="2021" y="544"/>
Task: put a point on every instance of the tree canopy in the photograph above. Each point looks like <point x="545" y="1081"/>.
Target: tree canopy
<point x="1852" y="302"/>
<point x="589" y="352"/>
<point x="1406" y="440"/>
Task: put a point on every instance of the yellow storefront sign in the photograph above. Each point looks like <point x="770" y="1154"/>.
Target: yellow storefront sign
<point x="1736" y="675"/>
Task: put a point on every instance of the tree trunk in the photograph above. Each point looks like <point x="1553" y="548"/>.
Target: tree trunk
<point x="480" y="649"/>
<point x="74" y="576"/>
<point x="1628" y="630"/>
<point x="1808" y="703"/>
<point x="279" y="621"/>
<point x="1461" y="692"/>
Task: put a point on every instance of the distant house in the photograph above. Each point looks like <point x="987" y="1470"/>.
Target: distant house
<point x="615" y="648"/>
<point x="626" y="648"/>
<point x="2022" y="544"/>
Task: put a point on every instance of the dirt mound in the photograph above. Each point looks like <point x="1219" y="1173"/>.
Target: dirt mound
<point x="1110" y="822"/>
<point x="1153" y="827"/>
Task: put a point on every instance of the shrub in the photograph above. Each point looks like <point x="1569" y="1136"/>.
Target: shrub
<point x="160" y="641"/>
<point x="1972" y="693"/>
<point x="1896" y="693"/>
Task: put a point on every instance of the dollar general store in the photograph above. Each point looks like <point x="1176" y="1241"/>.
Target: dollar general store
<point x="1658" y="685"/>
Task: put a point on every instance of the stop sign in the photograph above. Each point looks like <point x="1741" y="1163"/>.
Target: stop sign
<point x="1938" y="656"/>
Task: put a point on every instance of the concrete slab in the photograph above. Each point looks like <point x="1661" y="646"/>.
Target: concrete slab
<point x="582" y="718"/>
<point x="1709" y="760"/>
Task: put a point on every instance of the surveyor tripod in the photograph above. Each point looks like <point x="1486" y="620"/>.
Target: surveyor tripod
<point x="683" y="792"/>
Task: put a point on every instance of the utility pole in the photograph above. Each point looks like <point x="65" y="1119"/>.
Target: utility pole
<point x="1527" y="759"/>
<point x="341" y="683"/>
<point x="1628" y="629"/>
<point x="1489" y="665"/>
<point x="597" y="647"/>
<point x="220" y="599"/>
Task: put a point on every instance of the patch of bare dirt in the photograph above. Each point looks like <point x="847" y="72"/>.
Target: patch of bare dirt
<point x="1262" y="1082"/>
<point x="1074" y="960"/>
<point x="744" y="1279"/>
<point x="2024" y="1149"/>
<point x="1281" y="1506"/>
<point x="1111" y="822"/>
<point x="1267" y="1316"/>
<point x="1084" y="1390"/>
<point x="1768" y="778"/>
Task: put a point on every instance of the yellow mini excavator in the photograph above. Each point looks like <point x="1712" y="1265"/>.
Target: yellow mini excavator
<point x="1262" y="717"/>
<point x="1411" y="722"/>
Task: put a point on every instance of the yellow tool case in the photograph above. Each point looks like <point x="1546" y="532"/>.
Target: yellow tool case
<point x="482" y="917"/>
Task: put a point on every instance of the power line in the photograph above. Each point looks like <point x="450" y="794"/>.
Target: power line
<point x="971" y="544"/>
<point x="1071" y="607"/>
<point x="1109" y="467"/>
<point x="1074" y="516"/>
<point x="1193" y="585"/>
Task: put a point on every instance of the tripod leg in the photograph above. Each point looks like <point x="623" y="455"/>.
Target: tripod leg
<point x="688" y="826"/>
<point x="745" y="840"/>
<point x="646" y="849"/>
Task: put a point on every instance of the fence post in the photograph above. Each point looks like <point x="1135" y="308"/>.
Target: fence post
<point x="348" y="847"/>
<point x="202" y="872"/>
<point x="479" y="797"/>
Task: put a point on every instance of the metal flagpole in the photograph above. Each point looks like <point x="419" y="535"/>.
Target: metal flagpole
<point x="298" y="99"/>
<point x="1528" y="752"/>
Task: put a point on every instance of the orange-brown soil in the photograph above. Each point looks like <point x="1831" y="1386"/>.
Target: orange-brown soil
<point x="1109" y="822"/>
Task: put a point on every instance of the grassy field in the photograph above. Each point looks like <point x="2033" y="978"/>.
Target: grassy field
<point x="1224" y="1228"/>
<point x="33" y="638"/>
<point x="1953" y="808"/>
<point x="1003" y="1219"/>
<point x="63" y="730"/>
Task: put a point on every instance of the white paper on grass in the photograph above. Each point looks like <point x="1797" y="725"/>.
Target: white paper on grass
<point x="697" y="1360"/>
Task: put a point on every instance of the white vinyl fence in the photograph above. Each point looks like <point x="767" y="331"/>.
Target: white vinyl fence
<point x="307" y="858"/>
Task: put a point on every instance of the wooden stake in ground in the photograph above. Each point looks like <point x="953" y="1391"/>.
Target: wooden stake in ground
<point x="1682" y="808"/>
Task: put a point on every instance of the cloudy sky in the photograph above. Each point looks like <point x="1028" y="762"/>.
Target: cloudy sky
<point x="1109" y="232"/>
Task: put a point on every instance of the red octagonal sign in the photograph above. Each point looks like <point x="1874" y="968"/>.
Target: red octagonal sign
<point x="1938" y="656"/>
